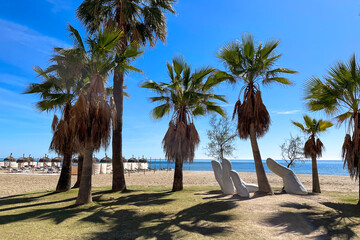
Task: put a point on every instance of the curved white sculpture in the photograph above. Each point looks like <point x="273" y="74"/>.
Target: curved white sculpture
<point x="292" y="183"/>
<point x="228" y="185"/>
<point x="217" y="172"/>
<point x="241" y="189"/>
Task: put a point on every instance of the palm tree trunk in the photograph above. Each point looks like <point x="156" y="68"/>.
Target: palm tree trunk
<point x="118" y="182"/>
<point x="315" y="176"/>
<point x="79" y="171"/>
<point x="263" y="182"/>
<point x="178" y="176"/>
<point x="84" y="195"/>
<point x="64" y="183"/>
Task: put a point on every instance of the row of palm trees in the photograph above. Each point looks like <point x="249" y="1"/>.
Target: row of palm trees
<point x="75" y="85"/>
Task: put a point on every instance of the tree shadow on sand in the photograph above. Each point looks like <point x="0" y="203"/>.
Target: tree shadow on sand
<point x="337" y="222"/>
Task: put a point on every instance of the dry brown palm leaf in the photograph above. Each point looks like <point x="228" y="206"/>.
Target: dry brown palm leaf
<point x="236" y="108"/>
<point x="261" y="116"/>
<point x="54" y="123"/>
<point x="319" y="148"/>
<point x="349" y="156"/>
<point x="310" y="147"/>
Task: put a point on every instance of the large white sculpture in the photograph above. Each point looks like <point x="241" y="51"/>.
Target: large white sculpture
<point x="230" y="181"/>
<point x="292" y="183"/>
<point x="217" y="172"/>
<point x="241" y="189"/>
<point x="228" y="185"/>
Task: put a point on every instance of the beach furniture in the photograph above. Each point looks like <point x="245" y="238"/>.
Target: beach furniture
<point x="292" y="183"/>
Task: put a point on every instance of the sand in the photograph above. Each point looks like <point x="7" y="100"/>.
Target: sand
<point x="16" y="183"/>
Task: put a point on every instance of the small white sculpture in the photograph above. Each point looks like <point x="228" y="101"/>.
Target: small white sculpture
<point x="292" y="183"/>
<point x="241" y="189"/>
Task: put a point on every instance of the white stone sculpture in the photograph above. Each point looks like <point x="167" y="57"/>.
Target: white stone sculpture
<point x="228" y="185"/>
<point x="241" y="189"/>
<point x="230" y="181"/>
<point x="292" y="183"/>
<point x="217" y="172"/>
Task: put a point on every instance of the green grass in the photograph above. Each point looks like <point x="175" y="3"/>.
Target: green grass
<point x="142" y="212"/>
<point x="155" y="212"/>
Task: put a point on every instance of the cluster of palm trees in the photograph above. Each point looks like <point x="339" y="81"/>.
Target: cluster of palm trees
<point x="75" y="84"/>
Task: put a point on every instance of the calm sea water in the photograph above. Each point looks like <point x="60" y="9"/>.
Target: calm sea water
<point x="325" y="167"/>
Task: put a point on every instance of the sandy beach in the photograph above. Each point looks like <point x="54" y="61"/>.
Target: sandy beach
<point x="12" y="184"/>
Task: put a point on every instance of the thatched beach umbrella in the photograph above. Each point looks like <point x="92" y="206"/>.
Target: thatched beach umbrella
<point x="75" y="160"/>
<point x="133" y="160"/>
<point x="123" y="159"/>
<point x="45" y="159"/>
<point x="22" y="159"/>
<point x="95" y="159"/>
<point x="106" y="159"/>
<point x="143" y="160"/>
<point x="10" y="158"/>
<point x="30" y="159"/>
<point x="57" y="160"/>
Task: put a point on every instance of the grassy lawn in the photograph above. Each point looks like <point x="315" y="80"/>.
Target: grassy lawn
<point x="154" y="212"/>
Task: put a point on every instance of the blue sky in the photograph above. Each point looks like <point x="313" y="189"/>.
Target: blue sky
<point x="313" y="36"/>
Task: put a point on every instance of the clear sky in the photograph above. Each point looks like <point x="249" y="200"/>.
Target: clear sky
<point x="313" y="36"/>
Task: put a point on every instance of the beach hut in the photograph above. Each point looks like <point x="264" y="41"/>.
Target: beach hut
<point x="44" y="161"/>
<point x="10" y="159"/>
<point x="55" y="162"/>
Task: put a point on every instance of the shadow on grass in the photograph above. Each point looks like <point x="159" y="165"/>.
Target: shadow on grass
<point x="128" y="216"/>
<point x="339" y="221"/>
<point x="203" y="219"/>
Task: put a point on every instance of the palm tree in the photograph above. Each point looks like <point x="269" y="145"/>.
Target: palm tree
<point x="140" y="21"/>
<point x="90" y="121"/>
<point x="61" y="85"/>
<point x="338" y="95"/>
<point x="187" y="95"/>
<point x="313" y="146"/>
<point x="254" y="65"/>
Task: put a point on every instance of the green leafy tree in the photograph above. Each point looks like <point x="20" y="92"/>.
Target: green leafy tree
<point x="338" y="94"/>
<point x="292" y="150"/>
<point x="222" y="138"/>
<point x="188" y="94"/>
<point x="60" y="86"/>
<point x="254" y="65"/>
<point x="141" y="21"/>
<point x="313" y="147"/>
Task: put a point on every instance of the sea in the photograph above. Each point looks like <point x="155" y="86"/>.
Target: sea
<point x="325" y="167"/>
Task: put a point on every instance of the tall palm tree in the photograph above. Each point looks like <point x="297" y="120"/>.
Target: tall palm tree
<point x="90" y="122"/>
<point x="140" y="21"/>
<point x="62" y="82"/>
<point x="188" y="94"/>
<point x="253" y="65"/>
<point x="338" y="95"/>
<point x="313" y="146"/>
